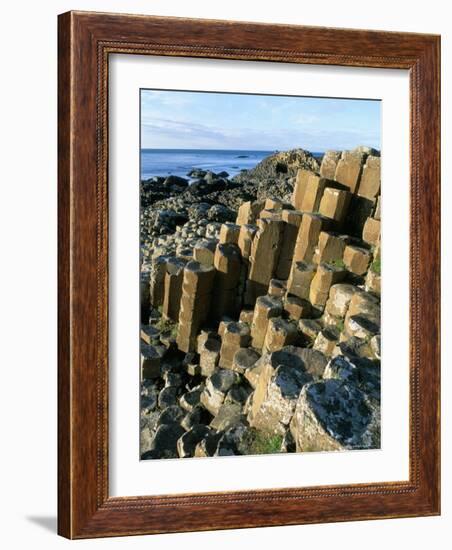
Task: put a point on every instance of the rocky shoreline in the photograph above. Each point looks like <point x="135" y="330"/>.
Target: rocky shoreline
<point x="260" y="308"/>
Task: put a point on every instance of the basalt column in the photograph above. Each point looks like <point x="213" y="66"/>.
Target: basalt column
<point x="292" y="219"/>
<point x="157" y="281"/>
<point x="195" y="303"/>
<point x="228" y="263"/>
<point x="264" y="257"/>
<point x="308" y="237"/>
<point x="173" y="288"/>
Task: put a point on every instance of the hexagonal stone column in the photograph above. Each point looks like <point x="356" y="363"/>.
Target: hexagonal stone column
<point x="266" y="308"/>
<point x="173" y="288"/>
<point x="195" y="303"/>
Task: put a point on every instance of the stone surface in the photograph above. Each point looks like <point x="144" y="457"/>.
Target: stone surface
<point x="145" y="298"/>
<point x="249" y="212"/>
<point x="280" y="333"/>
<point x="245" y="240"/>
<point x="204" y="251"/>
<point x="377" y="212"/>
<point x="330" y="248"/>
<point x="308" y="236"/>
<point x="370" y="179"/>
<point x="246" y="316"/>
<point x="164" y="442"/>
<point x="227" y="263"/>
<point x="208" y="445"/>
<point x="229" y="233"/>
<point x="309" y="328"/>
<point x="209" y="355"/>
<point x="371" y="231"/>
<point x="167" y="397"/>
<point x="277" y="288"/>
<point x="357" y="259"/>
<point x="312" y="195"/>
<point x="332" y="415"/>
<point x="273" y="204"/>
<point x="173" y="288"/>
<point x="266" y="308"/>
<point x="198" y="415"/>
<point x="216" y="388"/>
<point x="150" y="362"/>
<point x="191" y="364"/>
<point x="279" y="384"/>
<point x="361" y="326"/>
<point x="157" y="281"/>
<point x="231" y="442"/>
<point x="244" y="359"/>
<point x="197" y="287"/>
<point x="349" y="169"/>
<point x="375" y="344"/>
<point x="264" y="257"/>
<point x="296" y="307"/>
<point x="301" y="276"/>
<point x="186" y="444"/>
<point x="366" y="305"/>
<point x="228" y="416"/>
<point x="339" y="299"/>
<point x="171" y="415"/>
<point x="373" y="282"/>
<point x="329" y="164"/>
<point x="325" y="276"/>
<point x="300" y="187"/>
<point x="235" y="336"/>
<point x="190" y="399"/>
<point x="334" y="204"/>
<point x="360" y="208"/>
<point x="326" y="340"/>
<point x="292" y="219"/>
<point x="149" y="334"/>
<point x="270" y="214"/>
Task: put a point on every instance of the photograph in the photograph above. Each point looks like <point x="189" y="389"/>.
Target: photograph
<point x="260" y="274"/>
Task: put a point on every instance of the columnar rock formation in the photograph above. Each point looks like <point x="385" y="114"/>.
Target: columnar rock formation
<point x="269" y="327"/>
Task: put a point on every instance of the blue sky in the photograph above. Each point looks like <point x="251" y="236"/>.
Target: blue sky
<point x="203" y="120"/>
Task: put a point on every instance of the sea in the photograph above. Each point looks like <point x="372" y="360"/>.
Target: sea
<point x="178" y="162"/>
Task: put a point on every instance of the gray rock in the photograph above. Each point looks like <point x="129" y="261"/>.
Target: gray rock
<point x="167" y="397"/>
<point x="164" y="443"/>
<point x="173" y="379"/>
<point x="233" y="442"/>
<point x="244" y="359"/>
<point x="149" y="396"/>
<point x="208" y="445"/>
<point x="186" y="444"/>
<point x="229" y="415"/>
<point x="199" y="415"/>
<point x="238" y="394"/>
<point x="171" y="415"/>
<point x="276" y="396"/>
<point x="189" y="400"/>
<point x="216" y="388"/>
<point x="334" y="415"/>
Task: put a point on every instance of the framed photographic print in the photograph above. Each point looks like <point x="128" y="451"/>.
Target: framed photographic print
<point x="248" y="275"/>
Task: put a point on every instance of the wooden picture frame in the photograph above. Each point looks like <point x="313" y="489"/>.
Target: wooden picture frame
<point x="86" y="40"/>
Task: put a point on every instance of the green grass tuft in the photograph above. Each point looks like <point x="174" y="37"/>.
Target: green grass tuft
<point x="337" y="263"/>
<point x="264" y="443"/>
<point x="166" y="325"/>
<point x="376" y="266"/>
